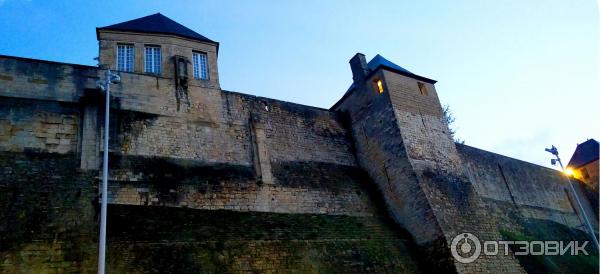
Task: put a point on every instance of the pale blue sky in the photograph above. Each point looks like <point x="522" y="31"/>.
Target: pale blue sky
<point x="518" y="75"/>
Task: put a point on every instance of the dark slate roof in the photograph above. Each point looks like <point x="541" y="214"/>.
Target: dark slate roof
<point x="380" y="62"/>
<point x="585" y="152"/>
<point x="157" y="23"/>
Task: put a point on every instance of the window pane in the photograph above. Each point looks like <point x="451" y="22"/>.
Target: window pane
<point x="125" y="57"/>
<point x="195" y="63"/>
<point x="120" y="57"/>
<point x="200" y="65"/>
<point x="129" y="58"/>
<point x="152" y="60"/>
<point x="203" y="67"/>
<point x="156" y="60"/>
<point x="148" y="60"/>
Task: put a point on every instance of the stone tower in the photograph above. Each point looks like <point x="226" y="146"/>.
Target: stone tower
<point x="403" y="141"/>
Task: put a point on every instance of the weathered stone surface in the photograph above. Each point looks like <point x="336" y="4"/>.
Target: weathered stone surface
<point x="46" y="126"/>
<point x="233" y="242"/>
<point x="534" y="191"/>
<point x="47" y="217"/>
<point x="219" y="181"/>
<point x="403" y="142"/>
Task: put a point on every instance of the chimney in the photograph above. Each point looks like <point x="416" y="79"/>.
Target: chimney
<point x="358" y="64"/>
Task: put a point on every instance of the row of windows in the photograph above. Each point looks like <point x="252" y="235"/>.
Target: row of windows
<point x="152" y="60"/>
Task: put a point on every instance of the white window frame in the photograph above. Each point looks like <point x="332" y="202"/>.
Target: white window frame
<point x="125" y="57"/>
<point x="200" y="64"/>
<point x="152" y="59"/>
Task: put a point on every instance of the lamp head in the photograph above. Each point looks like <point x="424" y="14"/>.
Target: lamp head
<point x="115" y="79"/>
<point x="552" y="150"/>
<point x="100" y="85"/>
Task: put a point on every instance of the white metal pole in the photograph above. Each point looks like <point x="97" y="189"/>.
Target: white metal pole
<point x="102" y="244"/>
<point x="585" y="218"/>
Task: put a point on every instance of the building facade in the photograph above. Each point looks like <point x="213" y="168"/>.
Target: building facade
<point x="204" y="180"/>
<point x="584" y="163"/>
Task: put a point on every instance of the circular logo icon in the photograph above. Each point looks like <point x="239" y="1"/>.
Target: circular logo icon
<point x="465" y="248"/>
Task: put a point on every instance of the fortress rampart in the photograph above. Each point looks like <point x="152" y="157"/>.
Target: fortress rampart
<point x="208" y="180"/>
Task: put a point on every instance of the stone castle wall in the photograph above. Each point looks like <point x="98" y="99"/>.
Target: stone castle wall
<point x="423" y="180"/>
<point x="216" y="131"/>
<point x="216" y="155"/>
<point x="48" y="221"/>
<point x="533" y="191"/>
<point x="49" y="224"/>
<point x="208" y="152"/>
<point x="403" y="142"/>
<point x="46" y="126"/>
<point x="381" y="152"/>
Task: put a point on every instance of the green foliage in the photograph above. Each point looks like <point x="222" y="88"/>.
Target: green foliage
<point x="450" y="119"/>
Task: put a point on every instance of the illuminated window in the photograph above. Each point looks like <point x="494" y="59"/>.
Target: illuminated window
<point x="422" y="88"/>
<point x="379" y="85"/>
<point x="125" y="56"/>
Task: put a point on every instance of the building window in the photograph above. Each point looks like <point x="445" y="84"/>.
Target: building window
<point x="152" y="60"/>
<point x="422" y="88"/>
<point x="200" y="63"/>
<point x="125" y="56"/>
<point x="379" y="85"/>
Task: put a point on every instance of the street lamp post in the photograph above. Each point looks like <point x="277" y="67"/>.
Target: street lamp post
<point x="104" y="85"/>
<point x="554" y="152"/>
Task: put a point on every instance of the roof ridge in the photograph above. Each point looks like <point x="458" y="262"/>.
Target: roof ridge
<point x="157" y="23"/>
<point x="380" y="61"/>
<point x="584" y="153"/>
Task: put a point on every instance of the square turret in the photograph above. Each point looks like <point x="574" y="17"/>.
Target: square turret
<point x="157" y="45"/>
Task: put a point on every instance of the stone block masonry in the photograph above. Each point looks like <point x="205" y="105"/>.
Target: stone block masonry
<point x="208" y="180"/>
<point x="49" y="221"/>
<point x="403" y="142"/>
<point x="456" y="205"/>
<point x="225" y="151"/>
<point x="217" y="241"/>
<point x="45" y="127"/>
<point x="301" y="187"/>
<point x="47" y="216"/>
<point x="534" y="192"/>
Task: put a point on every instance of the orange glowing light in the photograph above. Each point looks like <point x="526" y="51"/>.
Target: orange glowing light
<point x="380" y="86"/>
<point x="569" y="171"/>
